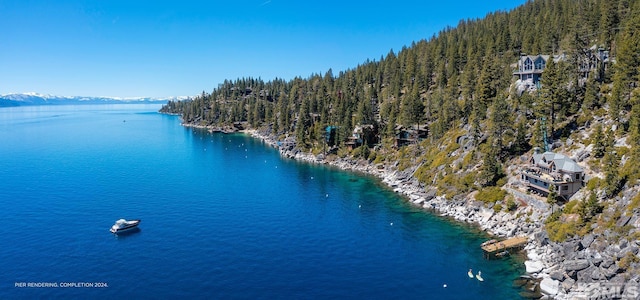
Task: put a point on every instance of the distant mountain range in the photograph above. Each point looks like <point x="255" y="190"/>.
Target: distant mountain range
<point x="25" y="99"/>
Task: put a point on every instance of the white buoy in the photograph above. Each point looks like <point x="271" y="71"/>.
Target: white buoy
<point x="444" y="285"/>
<point x="311" y="177"/>
<point x="359" y="206"/>
<point x="391" y="223"/>
<point x="327" y="195"/>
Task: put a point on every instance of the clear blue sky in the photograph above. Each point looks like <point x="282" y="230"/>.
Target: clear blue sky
<point x="159" y="48"/>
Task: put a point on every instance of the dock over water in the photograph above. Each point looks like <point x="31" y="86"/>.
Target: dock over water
<point x="506" y="245"/>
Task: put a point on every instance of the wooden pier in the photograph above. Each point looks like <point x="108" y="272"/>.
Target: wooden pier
<point x="501" y="246"/>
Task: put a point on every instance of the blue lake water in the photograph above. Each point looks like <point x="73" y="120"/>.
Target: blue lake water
<point x="223" y="217"/>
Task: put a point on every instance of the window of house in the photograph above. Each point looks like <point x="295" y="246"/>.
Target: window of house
<point x="565" y="187"/>
<point x="540" y="64"/>
<point x="578" y="176"/>
<point x="528" y="65"/>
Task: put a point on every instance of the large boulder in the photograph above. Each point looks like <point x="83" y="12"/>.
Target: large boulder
<point x="587" y="240"/>
<point x="612" y="271"/>
<point x="550" y="286"/>
<point x="607" y="262"/>
<point x="430" y="194"/>
<point x="567" y="284"/>
<point x="596" y="274"/>
<point x="597" y="259"/>
<point x="557" y="275"/>
<point x="584" y="275"/>
<point x="576" y="264"/>
<point x="570" y="249"/>
<point x="533" y="266"/>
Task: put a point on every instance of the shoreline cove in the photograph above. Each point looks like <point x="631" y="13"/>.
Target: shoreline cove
<point x="539" y="263"/>
<point x="567" y="270"/>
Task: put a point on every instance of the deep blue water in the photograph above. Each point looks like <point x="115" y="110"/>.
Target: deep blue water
<point x="223" y="217"/>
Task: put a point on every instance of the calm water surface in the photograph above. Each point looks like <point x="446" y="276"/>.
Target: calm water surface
<point x="223" y="217"/>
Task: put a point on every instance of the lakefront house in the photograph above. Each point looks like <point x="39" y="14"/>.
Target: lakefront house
<point x="549" y="168"/>
<point x="361" y="135"/>
<point x="530" y="68"/>
<point x="410" y="134"/>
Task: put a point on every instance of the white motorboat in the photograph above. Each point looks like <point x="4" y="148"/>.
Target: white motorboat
<point x="124" y="225"/>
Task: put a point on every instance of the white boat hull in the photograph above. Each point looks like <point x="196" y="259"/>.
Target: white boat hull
<point x="126" y="226"/>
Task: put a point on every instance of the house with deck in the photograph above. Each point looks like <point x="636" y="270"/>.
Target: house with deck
<point x="549" y="168"/>
<point x="530" y="68"/>
<point x="362" y="134"/>
<point x="410" y="135"/>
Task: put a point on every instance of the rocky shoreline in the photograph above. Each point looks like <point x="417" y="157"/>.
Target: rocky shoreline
<point x="584" y="268"/>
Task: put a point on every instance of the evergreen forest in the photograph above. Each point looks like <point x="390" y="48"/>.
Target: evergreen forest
<point x="460" y="84"/>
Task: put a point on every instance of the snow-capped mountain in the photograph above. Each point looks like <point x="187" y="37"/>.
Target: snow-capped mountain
<point x="23" y="99"/>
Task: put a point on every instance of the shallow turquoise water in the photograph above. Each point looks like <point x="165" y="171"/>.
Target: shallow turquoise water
<point x="223" y="216"/>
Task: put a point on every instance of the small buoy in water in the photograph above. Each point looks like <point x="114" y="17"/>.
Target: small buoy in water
<point x="311" y="177"/>
<point x="444" y="285"/>
<point x="246" y="156"/>
<point x="327" y="195"/>
<point x="391" y="223"/>
<point x="359" y="206"/>
<point x="205" y="149"/>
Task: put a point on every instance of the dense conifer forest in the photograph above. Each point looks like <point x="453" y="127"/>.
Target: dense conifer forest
<point x="460" y="83"/>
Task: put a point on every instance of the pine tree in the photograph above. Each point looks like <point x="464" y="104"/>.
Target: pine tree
<point x="590" y="208"/>
<point x="412" y="107"/>
<point x="553" y="93"/>
<point x="591" y="97"/>
<point x="610" y="162"/>
<point x="302" y="124"/>
<point x="364" y="115"/>
<point x="626" y="76"/>
<point x="608" y="21"/>
<point x="499" y="121"/>
<point x="600" y="146"/>
<point x="634" y="121"/>
<point x="491" y="169"/>
<point x="520" y="144"/>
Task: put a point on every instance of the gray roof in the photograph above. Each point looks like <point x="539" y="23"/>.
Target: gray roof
<point x="562" y="162"/>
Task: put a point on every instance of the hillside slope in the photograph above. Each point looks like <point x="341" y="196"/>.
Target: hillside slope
<point x="476" y="127"/>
